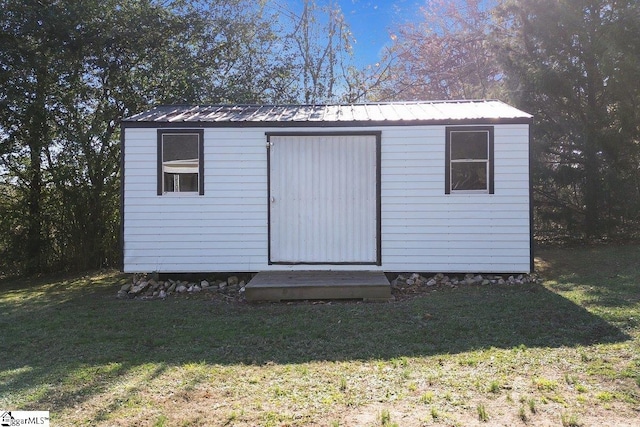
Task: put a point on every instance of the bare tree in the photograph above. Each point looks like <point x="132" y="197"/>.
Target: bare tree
<point x="320" y="40"/>
<point x="447" y="55"/>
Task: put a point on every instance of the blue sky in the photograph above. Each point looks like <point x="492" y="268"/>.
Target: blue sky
<point x="371" y="22"/>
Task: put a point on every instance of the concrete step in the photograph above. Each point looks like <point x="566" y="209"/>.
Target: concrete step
<point x="312" y="285"/>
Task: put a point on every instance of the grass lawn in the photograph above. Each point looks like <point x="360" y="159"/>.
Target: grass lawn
<point x="563" y="353"/>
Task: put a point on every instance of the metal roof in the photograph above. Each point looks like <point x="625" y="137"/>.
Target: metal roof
<point x="367" y="114"/>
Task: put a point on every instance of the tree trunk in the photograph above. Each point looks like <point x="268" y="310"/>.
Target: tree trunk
<point x="592" y="186"/>
<point x="37" y="135"/>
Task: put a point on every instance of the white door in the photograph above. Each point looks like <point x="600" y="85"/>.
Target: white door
<point x="323" y="199"/>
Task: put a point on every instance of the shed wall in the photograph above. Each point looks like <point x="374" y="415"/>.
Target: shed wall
<point x="422" y="228"/>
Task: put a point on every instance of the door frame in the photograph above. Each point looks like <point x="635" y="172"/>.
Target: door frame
<point x="378" y="135"/>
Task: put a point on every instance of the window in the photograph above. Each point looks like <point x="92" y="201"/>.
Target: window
<point x="469" y="160"/>
<point x="180" y="162"/>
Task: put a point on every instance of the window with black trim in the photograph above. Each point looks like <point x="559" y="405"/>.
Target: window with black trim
<point x="180" y="161"/>
<point x="469" y="160"/>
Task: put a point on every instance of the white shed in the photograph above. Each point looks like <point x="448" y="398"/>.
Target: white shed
<point x="415" y="186"/>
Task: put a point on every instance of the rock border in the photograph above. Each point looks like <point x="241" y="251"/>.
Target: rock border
<point x="412" y="283"/>
<point x="145" y="287"/>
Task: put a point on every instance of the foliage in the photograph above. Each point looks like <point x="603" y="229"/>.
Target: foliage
<point x="446" y="55"/>
<point x="70" y="71"/>
<point x="79" y="75"/>
<point x="571" y="64"/>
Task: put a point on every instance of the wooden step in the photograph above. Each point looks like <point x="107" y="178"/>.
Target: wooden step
<point x="314" y="285"/>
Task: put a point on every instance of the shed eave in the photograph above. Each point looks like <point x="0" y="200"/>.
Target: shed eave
<point x="129" y="123"/>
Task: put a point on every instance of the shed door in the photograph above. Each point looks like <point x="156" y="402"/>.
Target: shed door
<point x="323" y="199"/>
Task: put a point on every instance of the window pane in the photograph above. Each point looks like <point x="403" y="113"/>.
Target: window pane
<point x="469" y="145"/>
<point x="469" y="176"/>
<point x="179" y="147"/>
<point x="182" y="182"/>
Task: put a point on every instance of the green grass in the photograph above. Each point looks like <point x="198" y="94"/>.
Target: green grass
<point x="435" y="414"/>
<point x="385" y="419"/>
<point x="532" y="405"/>
<point x="570" y="420"/>
<point x="482" y="413"/>
<point x="70" y="347"/>
<point x="522" y="414"/>
<point x="545" y="384"/>
<point x="427" y="397"/>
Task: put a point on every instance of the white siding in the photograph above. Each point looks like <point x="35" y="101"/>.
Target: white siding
<point x="224" y="230"/>
<point x="423" y="229"/>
